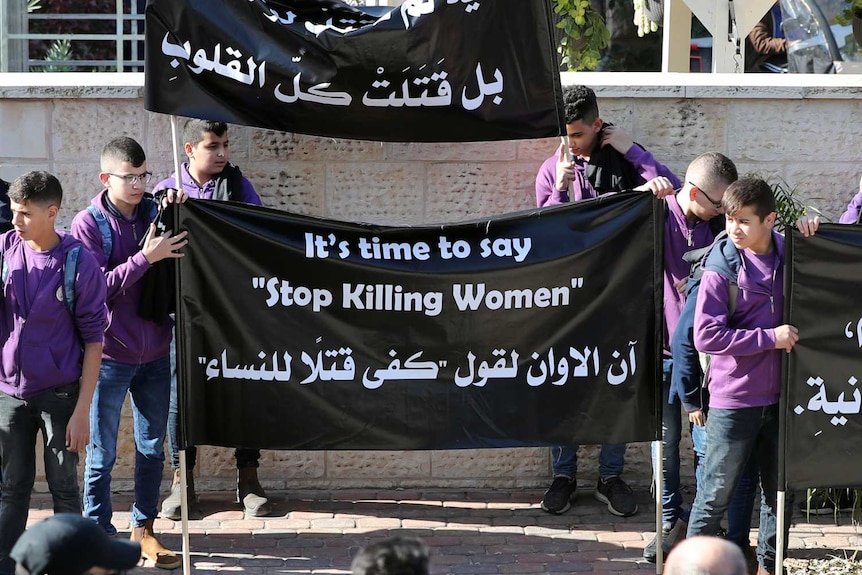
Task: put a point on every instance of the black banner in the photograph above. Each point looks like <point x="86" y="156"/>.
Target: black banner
<point x="821" y="401"/>
<point x="529" y="329"/>
<point x="426" y="71"/>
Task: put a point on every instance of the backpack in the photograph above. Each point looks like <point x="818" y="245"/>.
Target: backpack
<point x="697" y="259"/>
<point x="105" y="227"/>
<point x="70" y="272"/>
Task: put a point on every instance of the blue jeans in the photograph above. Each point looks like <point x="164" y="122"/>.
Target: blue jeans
<point x="671" y="435"/>
<point x="49" y="412"/>
<point x="611" y="460"/>
<point x="734" y="437"/>
<point x="149" y="386"/>
<point x="244" y="457"/>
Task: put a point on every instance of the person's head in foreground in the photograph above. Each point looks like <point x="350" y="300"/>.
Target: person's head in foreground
<point x="396" y="556"/>
<point x="706" y="556"/>
<point x="68" y="544"/>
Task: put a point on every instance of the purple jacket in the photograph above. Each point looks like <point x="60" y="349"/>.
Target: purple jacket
<point x="745" y="370"/>
<point x="680" y="236"/>
<point x="548" y="195"/>
<point x="128" y="339"/>
<point x="851" y="214"/>
<point x="247" y="194"/>
<point x="42" y="347"/>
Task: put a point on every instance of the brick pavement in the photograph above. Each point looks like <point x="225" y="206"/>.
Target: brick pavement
<point x="470" y="532"/>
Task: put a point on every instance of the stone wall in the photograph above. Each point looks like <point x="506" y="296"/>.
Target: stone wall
<point x="809" y="136"/>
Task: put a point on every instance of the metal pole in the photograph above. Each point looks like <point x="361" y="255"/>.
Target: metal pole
<point x="659" y="479"/>
<point x="779" y="533"/>
<point x="119" y="29"/>
<point x="184" y="502"/>
<point x="4" y="39"/>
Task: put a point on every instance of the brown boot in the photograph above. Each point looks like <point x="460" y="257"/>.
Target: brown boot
<point x="152" y="548"/>
<point x="249" y="492"/>
<point x="172" y="505"/>
<point x="762" y="571"/>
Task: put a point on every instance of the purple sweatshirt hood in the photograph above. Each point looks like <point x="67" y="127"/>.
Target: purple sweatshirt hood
<point x="745" y="370"/>
<point x="43" y="348"/>
<point x="129" y="338"/>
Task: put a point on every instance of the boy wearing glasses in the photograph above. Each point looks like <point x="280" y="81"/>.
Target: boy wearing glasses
<point x="209" y="175"/>
<point x="692" y="221"/>
<point x="135" y="358"/>
<point x="50" y="354"/>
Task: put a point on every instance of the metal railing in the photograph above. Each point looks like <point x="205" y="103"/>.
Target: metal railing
<point x="127" y="37"/>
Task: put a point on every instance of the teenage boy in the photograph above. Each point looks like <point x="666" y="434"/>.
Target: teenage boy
<point x="604" y="160"/>
<point x="209" y="175"/>
<point x="53" y="330"/>
<point x="745" y="342"/>
<point x="692" y="221"/>
<point x="135" y="357"/>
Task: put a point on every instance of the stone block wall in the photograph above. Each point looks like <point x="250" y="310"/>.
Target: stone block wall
<point x="809" y="136"/>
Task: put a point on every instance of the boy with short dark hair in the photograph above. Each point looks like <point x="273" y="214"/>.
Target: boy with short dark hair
<point x="604" y="160"/>
<point x="135" y="358"/>
<point x="53" y="321"/>
<point x="745" y="343"/>
<point x="209" y="175"/>
<point x="601" y="158"/>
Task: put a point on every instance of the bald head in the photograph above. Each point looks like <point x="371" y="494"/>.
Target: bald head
<point x="706" y="556"/>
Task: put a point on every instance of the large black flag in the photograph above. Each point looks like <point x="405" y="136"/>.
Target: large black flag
<point x="529" y="329"/>
<point x="821" y="402"/>
<point x="426" y="71"/>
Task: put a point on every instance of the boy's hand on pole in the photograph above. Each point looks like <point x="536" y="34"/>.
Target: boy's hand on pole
<point x="786" y="337"/>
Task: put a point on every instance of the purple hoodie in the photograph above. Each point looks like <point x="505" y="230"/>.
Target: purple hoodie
<point x="680" y="236"/>
<point x="128" y="339"/>
<point x="42" y="347"/>
<point x="191" y="187"/>
<point x="745" y="370"/>
<point x="548" y="195"/>
<point x="851" y="214"/>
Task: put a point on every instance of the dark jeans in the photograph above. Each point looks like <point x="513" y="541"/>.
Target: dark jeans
<point x="49" y="412"/>
<point x="741" y="505"/>
<point x="734" y="436"/>
<point x="244" y="457"/>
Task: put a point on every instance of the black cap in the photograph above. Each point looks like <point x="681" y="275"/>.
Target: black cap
<point x="68" y="544"/>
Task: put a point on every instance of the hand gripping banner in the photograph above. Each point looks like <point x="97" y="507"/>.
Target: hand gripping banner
<point x="425" y="71"/>
<point x="529" y="329"/>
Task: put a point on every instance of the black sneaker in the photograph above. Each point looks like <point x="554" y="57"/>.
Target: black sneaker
<point x="825" y="501"/>
<point x="617" y="495"/>
<point x="671" y="534"/>
<point x="558" y="498"/>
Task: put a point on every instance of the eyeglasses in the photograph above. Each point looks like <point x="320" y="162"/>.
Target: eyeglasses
<point x="133" y="179"/>
<point x="716" y="205"/>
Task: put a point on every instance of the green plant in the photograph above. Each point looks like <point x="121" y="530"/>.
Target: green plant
<point x="33" y="5"/>
<point x="59" y="51"/>
<point x="854" y="8"/>
<point x="585" y="34"/>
